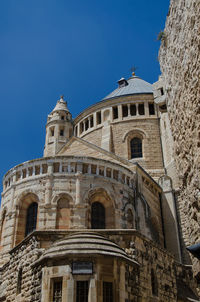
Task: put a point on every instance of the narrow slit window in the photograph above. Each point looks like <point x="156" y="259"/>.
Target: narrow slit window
<point x="133" y="110"/>
<point x="107" y="292"/>
<point x="115" y="113"/>
<point x="52" y="131"/>
<point x="61" y="132"/>
<point x="161" y="91"/>
<point x="19" y="281"/>
<point x="57" y="291"/>
<point x="91" y="121"/>
<point x="141" y="109"/>
<point x="124" y="110"/>
<point x="151" y="109"/>
<point x="154" y="284"/>
<point x="98" y="117"/>
<point x="82" y="288"/>
<point x="86" y="125"/>
<point x="81" y="127"/>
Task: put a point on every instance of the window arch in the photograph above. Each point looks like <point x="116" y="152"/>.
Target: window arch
<point x="136" y="147"/>
<point x="98" y="216"/>
<point x="31" y="218"/>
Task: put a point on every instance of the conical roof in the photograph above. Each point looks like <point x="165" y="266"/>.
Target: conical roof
<point x="61" y="105"/>
<point x="133" y="85"/>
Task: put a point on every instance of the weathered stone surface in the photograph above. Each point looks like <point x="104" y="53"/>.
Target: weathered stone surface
<point x="180" y="65"/>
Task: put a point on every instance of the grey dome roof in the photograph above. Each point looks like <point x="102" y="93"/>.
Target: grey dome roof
<point x="85" y="243"/>
<point x="133" y="85"/>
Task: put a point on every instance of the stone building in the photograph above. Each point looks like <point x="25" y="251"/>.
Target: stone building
<point x="95" y="219"/>
<point x="180" y="111"/>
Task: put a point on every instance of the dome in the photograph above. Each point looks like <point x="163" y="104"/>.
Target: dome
<point x="85" y="243"/>
<point x="133" y="85"/>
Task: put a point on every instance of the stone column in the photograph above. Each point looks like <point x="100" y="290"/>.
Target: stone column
<point x="129" y="110"/>
<point x="120" y="112"/>
<point x="78" y="187"/>
<point x="122" y="291"/>
<point x="137" y="112"/>
<point x="146" y="109"/>
<point x="70" y="291"/>
<point x="92" y="295"/>
<point x="49" y="184"/>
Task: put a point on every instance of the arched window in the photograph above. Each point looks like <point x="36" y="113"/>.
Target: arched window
<point x="136" y="147"/>
<point x="31" y="218"/>
<point x="98" y="216"/>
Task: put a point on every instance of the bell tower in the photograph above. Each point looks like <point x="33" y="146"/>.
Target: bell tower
<point x="59" y="128"/>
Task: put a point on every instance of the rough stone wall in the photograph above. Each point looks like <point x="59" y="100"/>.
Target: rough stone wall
<point x="23" y="257"/>
<point x="180" y="65"/>
<point x="138" y="282"/>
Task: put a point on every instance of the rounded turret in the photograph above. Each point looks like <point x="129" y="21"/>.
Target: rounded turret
<point x="59" y="128"/>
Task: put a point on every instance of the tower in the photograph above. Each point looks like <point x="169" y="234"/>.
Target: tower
<point x="59" y="128"/>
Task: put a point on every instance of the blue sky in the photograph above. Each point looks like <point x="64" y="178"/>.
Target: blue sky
<point x="79" y="49"/>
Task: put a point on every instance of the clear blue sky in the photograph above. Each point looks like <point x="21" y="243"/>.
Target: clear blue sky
<point x="79" y="49"/>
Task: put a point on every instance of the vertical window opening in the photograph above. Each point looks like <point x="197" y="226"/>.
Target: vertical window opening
<point x="81" y="127"/>
<point x="115" y="113"/>
<point x="52" y="131"/>
<point x="91" y="121"/>
<point x="151" y="109"/>
<point x="162" y="91"/>
<point x="86" y="125"/>
<point x="124" y="110"/>
<point x="61" y="132"/>
<point x="62" y="117"/>
<point x="136" y="147"/>
<point x="19" y="281"/>
<point x="31" y="218"/>
<point x="97" y="216"/>
<point x="141" y="109"/>
<point x="82" y="291"/>
<point x="98" y="117"/>
<point x="2" y="228"/>
<point x="133" y="110"/>
<point x="107" y="292"/>
<point x="57" y="291"/>
<point x="154" y="284"/>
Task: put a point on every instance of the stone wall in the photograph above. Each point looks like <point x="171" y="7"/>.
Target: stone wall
<point x="180" y="65"/>
<point x="171" y="279"/>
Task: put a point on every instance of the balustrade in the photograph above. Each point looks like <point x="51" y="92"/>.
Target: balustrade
<point x="65" y="166"/>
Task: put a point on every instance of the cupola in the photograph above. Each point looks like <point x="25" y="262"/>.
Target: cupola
<point x="59" y="128"/>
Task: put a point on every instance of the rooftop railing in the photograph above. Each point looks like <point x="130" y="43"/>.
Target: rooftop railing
<point x="67" y="165"/>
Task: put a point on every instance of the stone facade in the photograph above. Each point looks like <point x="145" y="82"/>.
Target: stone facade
<point x="95" y="219"/>
<point x="180" y="64"/>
